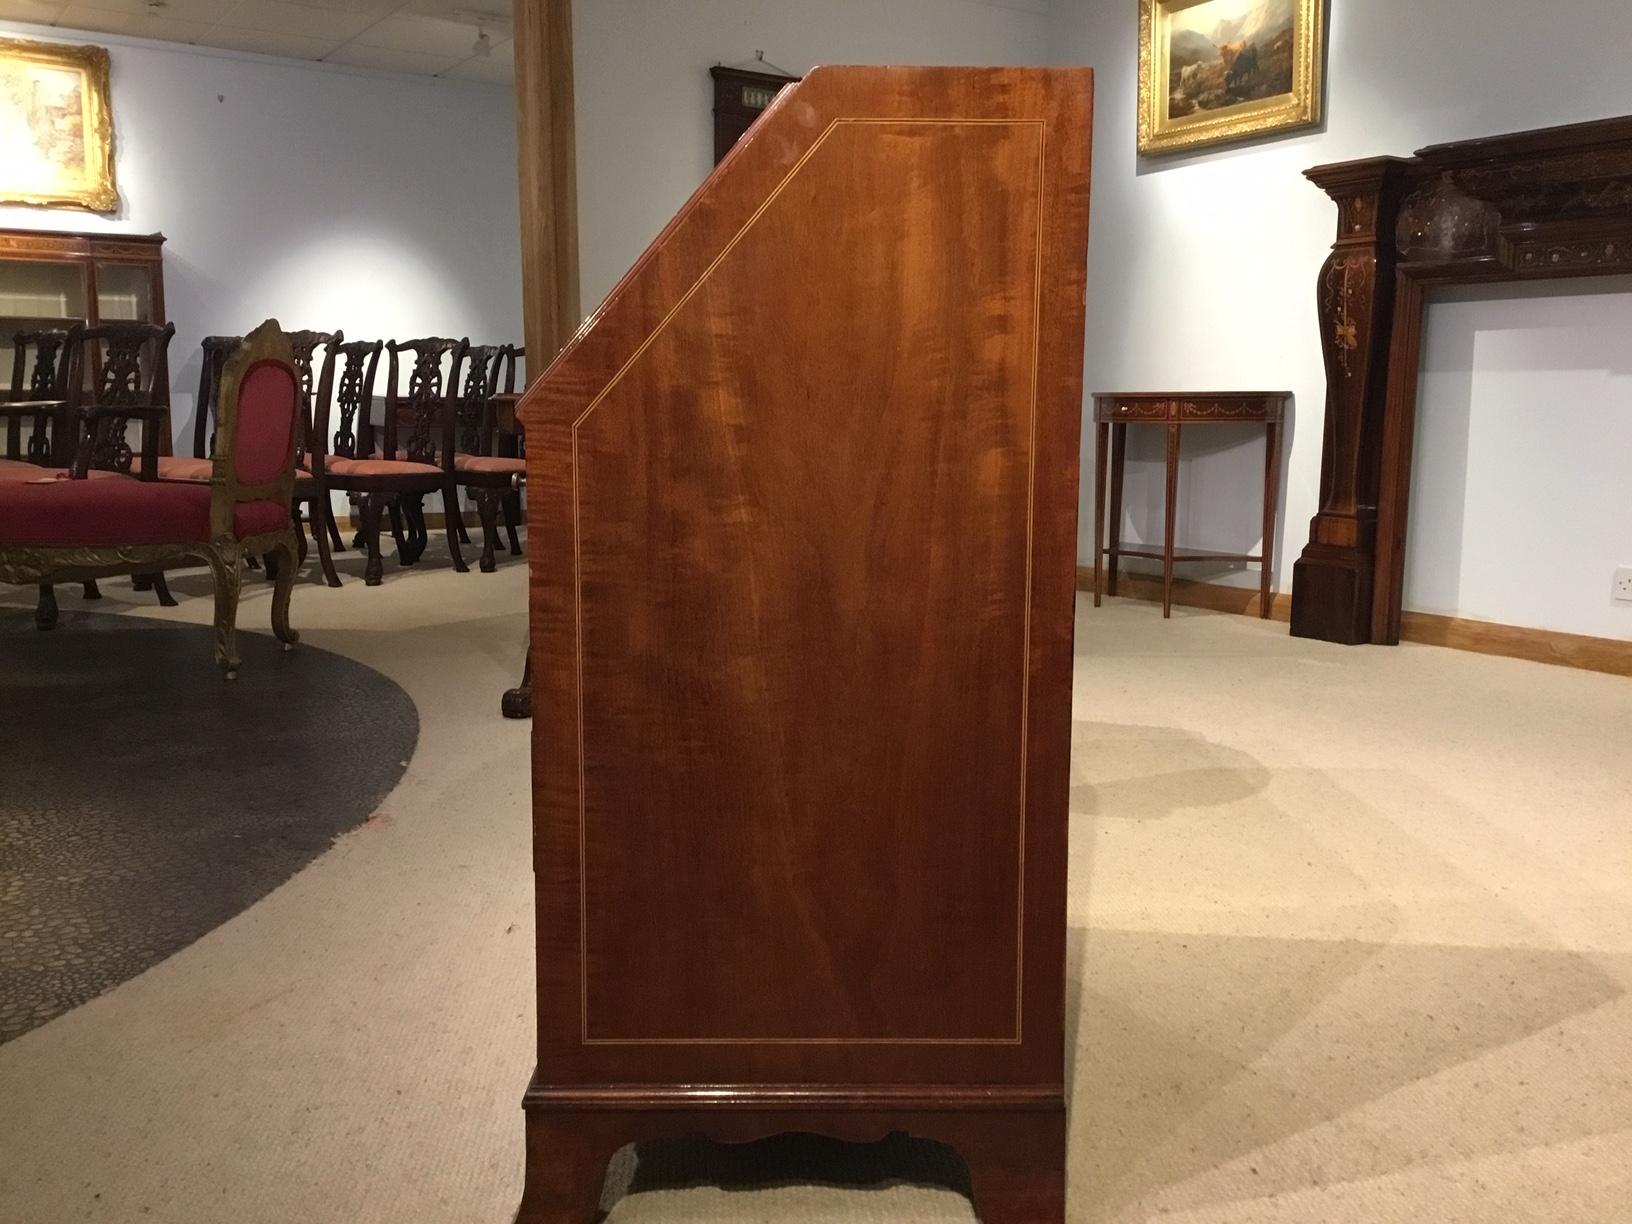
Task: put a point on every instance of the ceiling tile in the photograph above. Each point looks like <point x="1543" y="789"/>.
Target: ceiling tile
<point x="40" y="12"/>
<point x="264" y="42"/>
<point x="500" y="67"/>
<point x="463" y="10"/>
<point x="305" y="20"/>
<point x="170" y="10"/>
<point x="423" y="35"/>
<point x="136" y="25"/>
<point x="388" y="59"/>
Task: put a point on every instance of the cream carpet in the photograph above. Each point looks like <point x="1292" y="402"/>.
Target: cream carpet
<point x="1351" y="940"/>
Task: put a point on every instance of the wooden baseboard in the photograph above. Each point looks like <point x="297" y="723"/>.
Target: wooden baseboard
<point x="1610" y="655"/>
<point x="1517" y="642"/>
<point x="1213" y="596"/>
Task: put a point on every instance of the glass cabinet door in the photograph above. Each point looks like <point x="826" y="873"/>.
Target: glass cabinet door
<point x="124" y="293"/>
<point x="36" y="294"/>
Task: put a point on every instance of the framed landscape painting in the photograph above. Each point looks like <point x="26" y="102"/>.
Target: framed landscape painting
<point x="1217" y="70"/>
<point x="56" y="126"/>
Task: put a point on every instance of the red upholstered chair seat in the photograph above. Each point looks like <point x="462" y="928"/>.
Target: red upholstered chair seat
<point x="489" y="464"/>
<point x="178" y="467"/>
<point x="379" y="467"/>
<point x="91" y="513"/>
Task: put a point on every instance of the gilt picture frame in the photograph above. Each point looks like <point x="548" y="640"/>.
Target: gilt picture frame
<point x="1217" y="71"/>
<point x="56" y="126"/>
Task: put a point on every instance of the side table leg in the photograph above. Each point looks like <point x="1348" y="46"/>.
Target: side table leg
<point x="1119" y="459"/>
<point x="1101" y="456"/>
<point x="1272" y="476"/>
<point x="1172" y="518"/>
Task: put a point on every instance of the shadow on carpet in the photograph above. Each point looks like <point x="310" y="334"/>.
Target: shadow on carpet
<point x="144" y="800"/>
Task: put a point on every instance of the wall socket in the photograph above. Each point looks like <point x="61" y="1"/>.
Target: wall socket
<point x="1623" y="586"/>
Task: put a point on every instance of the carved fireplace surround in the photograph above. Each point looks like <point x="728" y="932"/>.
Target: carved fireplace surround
<point x="1529" y="206"/>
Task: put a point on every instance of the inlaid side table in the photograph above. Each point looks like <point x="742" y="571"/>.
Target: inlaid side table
<point x="1113" y="413"/>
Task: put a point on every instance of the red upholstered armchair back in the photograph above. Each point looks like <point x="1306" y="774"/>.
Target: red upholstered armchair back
<point x="258" y="422"/>
<point x="268" y="408"/>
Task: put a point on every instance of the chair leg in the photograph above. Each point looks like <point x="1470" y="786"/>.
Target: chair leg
<point x="359" y="538"/>
<point x="464" y="533"/>
<point x="487" y="508"/>
<point x="450" y="509"/>
<point x="162" y="589"/>
<point x="413" y="512"/>
<point x="398" y="512"/>
<point x="226" y="565"/>
<point x="369" y="508"/>
<point x="283" y="558"/>
<point x="45" y="611"/>
<point x="512" y="520"/>
<point x="297" y="514"/>
<point x="321" y="537"/>
<point x="334" y="527"/>
<point x="92" y="591"/>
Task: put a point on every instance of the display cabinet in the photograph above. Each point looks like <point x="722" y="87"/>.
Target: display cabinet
<point x="53" y="279"/>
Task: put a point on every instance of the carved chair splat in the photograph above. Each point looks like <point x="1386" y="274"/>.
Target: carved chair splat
<point x="490" y="478"/>
<point x="381" y="481"/>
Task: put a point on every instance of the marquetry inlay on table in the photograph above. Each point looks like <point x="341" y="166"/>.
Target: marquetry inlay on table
<point x="1114" y="412"/>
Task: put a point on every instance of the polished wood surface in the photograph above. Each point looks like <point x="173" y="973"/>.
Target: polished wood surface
<point x="1529" y="206"/>
<point x="1172" y="411"/>
<point x="547" y="173"/>
<point x="802" y="535"/>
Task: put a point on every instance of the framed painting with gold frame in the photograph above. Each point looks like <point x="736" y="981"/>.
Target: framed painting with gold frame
<point x="1212" y="71"/>
<point x="56" y="126"/>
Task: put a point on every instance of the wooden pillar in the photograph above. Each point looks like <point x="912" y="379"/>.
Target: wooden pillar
<point x="546" y="163"/>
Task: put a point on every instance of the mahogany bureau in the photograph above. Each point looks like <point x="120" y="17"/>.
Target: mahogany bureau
<point x="802" y="512"/>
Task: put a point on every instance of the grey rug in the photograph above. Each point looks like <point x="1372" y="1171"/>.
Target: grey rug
<point x="144" y="800"/>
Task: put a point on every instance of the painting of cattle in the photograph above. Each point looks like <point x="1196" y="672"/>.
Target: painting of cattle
<point x="1214" y="70"/>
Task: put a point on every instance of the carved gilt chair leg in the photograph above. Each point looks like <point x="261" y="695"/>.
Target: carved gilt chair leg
<point x="161" y="588"/>
<point x="512" y="520"/>
<point x="450" y="508"/>
<point x="297" y="515"/>
<point x="226" y="564"/>
<point x="487" y="508"/>
<point x="45" y="611"/>
<point x="369" y="508"/>
<point x="92" y="591"/>
<point x="285" y="580"/>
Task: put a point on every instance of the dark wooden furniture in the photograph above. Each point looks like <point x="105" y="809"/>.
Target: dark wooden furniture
<point x="311" y="495"/>
<point x="39" y="393"/>
<point x="491" y="479"/>
<point x="802" y="530"/>
<point x="53" y="280"/>
<point x="1172" y="411"/>
<point x="115" y="377"/>
<point x="1531" y="206"/>
<point x="384" y="481"/>
<point x="99" y="523"/>
<point x="740" y="97"/>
